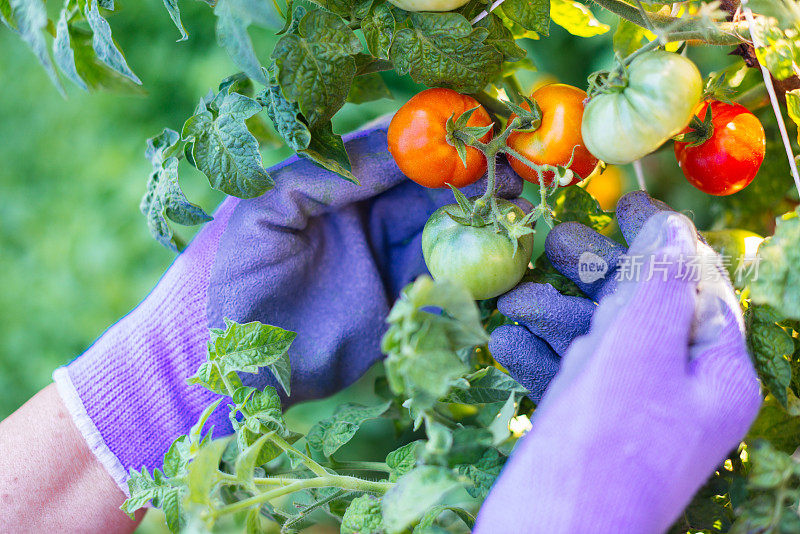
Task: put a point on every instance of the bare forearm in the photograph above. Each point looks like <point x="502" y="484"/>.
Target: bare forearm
<point x="49" y="477"/>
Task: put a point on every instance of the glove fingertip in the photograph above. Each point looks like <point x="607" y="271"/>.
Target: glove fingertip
<point x="633" y="211"/>
<point x="528" y="359"/>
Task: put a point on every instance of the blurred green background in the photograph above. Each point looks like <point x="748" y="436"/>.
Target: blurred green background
<point x="75" y="254"/>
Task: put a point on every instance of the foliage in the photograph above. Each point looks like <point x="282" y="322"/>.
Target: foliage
<point x="421" y="481"/>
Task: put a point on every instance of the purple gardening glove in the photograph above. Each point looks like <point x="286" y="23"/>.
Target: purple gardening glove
<point x="645" y="406"/>
<point x="316" y="255"/>
<point x="547" y="321"/>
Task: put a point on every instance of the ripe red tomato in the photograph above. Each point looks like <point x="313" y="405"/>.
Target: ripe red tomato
<point x="417" y="139"/>
<point x="552" y="143"/>
<point x="729" y="160"/>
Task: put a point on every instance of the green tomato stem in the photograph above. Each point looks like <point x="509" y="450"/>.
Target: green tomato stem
<point x="491" y="104"/>
<point x="724" y="33"/>
<point x="512" y="88"/>
<point x="328" y="481"/>
<point x="312" y="465"/>
<point x="360" y="466"/>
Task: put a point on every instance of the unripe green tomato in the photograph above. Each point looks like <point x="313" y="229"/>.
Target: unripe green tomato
<point x="657" y="103"/>
<point x="735" y="245"/>
<point x="479" y="259"/>
<point x="428" y="5"/>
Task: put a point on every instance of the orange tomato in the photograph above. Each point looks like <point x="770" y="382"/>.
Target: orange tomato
<point x="418" y="144"/>
<point x="606" y="187"/>
<point x="553" y="142"/>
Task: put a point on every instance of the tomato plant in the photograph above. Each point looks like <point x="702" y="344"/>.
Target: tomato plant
<point x="558" y="139"/>
<point x="418" y="142"/>
<point x="651" y="100"/>
<point x="479" y="258"/>
<point x="723" y="156"/>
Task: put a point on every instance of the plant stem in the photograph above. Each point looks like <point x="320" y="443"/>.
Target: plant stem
<point x="365" y="466"/>
<point x="491" y="104"/>
<point x="647" y="47"/>
<point x="312" y="465"/>
<point x="328" y="481"/>
<point x="271" y="481"/>
<point x="724" y="33"/>
<point x="512" y="88"/>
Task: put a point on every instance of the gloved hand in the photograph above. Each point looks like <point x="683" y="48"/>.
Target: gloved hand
<point x="547" y="321"/>
<point x="315" y="255"/>
<point x="645" y="406"/>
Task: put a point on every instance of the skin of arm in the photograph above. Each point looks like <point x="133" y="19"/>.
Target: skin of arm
<point x="49" y="478"/>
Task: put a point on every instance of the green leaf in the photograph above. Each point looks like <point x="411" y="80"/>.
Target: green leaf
<point x="330" y="434"/>
<point x="104" y="46"/>
<point x="379" y="27"/>
<point x="533" y="15"/>
<point x="233" y="18"/>
<point x="62" y="51"/>
<point x="74" y="54"/>
<point x="316" y="65"/>
<point x="574" y="203"/>
<point x="499" y="426"/>
<point x="501" y="38"/>
<point x="778" y="280"/>
<point x="343" y="8"/>
<point x="770" y="346"/>
<point x="285" y="116"/>
<point x="248" y="347"/>
<point x="209" y="377"/>
<point x="629" y="37"/>
<point x="170" y="504"/>
<point x="422" y="347"/>
<point x="368" y="87"/>
<point x="576" y="18"/>
<point x="177" y="457"/>
<point x="776" y="425"/>
<point x="30" y="19"/>
<point x="164" y="198"/>
<point x="6" y="15"/>
<point x="443" y="49"/>
<point x="246" y="462"/>
<point x="175" y="14"/>
<point x="403" y="459"/>
<point x="483" y="472"/>
<point x="196" y="432"/>
<point x="363" y="516"/>
<point x="781" y="50"/>
<point x="202" y="473"/>
<point x="225" y="151"/>
<point x="327" y="150"/>
<point x="144" y="488"/>
<point x="430" y="517"/>
<point x="414" y="494"/>
<point x="487" y="385"/>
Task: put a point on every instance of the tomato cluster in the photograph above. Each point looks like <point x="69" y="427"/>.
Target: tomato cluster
<point x="652" y="99"/>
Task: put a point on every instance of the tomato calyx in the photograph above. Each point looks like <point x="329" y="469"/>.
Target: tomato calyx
<point x="717" y="90"/>
<point x="701" y="130"/>
<point x="459" y="135"/>
<point x="478" y="214"/>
